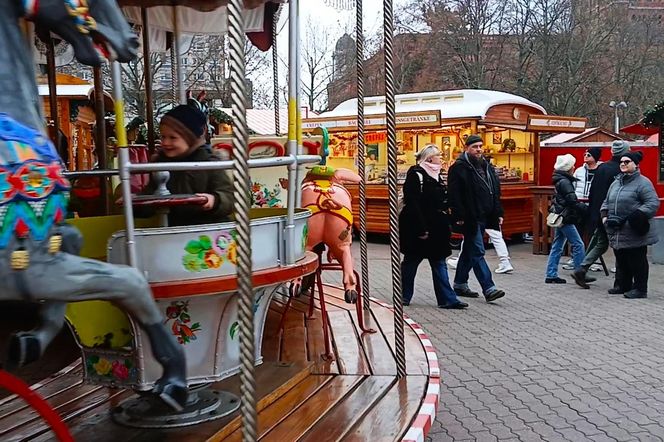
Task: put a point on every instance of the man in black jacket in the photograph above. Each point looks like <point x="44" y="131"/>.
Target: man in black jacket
<point x="474" y="192"/>
<point x="604" y="176"/>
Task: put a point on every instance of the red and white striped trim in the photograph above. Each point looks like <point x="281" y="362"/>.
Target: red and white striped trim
<point x="429" y="407"/>
<point x="30" y="7"/>
<point x="426" y="415"/>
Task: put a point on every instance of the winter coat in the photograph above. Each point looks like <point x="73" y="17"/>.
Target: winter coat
<point x="584" y="178"/>
<point x="474" y="199"/>
<point x="604" y="176"/>
<point x="628" y="194"/>
<point x="425" y="210"/>
<point x="214" y="182"/>
<point x="565" y="200"/>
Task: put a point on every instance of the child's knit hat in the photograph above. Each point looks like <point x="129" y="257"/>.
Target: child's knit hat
<point x="188" y="122"/>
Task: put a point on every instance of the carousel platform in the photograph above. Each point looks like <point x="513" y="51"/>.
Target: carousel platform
<point x="354" y="396"/>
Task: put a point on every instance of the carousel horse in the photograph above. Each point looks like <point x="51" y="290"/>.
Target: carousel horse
<point x="331" y="221"/>
<point x="38" y="251"/>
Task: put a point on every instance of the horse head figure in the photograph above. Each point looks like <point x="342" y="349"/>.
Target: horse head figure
<point x="39" y="252"/>
<point x="95" y="28"/>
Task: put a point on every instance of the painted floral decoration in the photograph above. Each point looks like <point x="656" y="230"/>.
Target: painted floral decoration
<point x="305" y="236"/>
<point x="204" y="253"/>
<point x="182" y="328"/>
<point x="235" y="326"/>
<point x="261" y="196"/>
<point x="118" y="369"/>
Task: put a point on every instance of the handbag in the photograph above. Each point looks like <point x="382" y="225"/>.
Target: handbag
<point x="554" y="220"/>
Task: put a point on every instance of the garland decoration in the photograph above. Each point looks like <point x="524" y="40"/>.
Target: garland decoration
<point x="654" y="116"/>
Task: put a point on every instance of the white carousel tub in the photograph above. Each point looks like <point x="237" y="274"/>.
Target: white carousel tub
<point x="191" y="270"/>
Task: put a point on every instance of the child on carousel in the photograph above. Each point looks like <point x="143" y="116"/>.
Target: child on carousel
<point x="182" y="132"/>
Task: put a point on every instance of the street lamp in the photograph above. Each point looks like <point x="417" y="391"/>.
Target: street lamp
<point x="616" y="106"/>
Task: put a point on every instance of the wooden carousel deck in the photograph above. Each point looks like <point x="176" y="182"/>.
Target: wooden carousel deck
<point x="356" y="396"/>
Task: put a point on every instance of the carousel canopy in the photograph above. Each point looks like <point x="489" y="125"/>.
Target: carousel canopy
<point x="201" y="17"/>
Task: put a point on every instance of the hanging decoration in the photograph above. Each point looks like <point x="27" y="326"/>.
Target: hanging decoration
<point x="343" y="5"/>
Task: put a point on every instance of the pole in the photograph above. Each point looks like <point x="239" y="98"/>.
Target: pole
<point x="241" y="180"/>
<point x="361" y="156"/>
<point x="275" y="72"/>
<point x="616" y="120"/>
<point x="100" y="135"/>
<point x="182" y="96"/>
<point x="123" y="160"/>
<point x="52" y="88"/>
<point x="298" y="97"/>
<point x="293" y="115"/>
<point x="147" y="72"/>
<point x="390" y="118"/>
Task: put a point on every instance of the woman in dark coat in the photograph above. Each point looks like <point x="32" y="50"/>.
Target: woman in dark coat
<point x="565" y="202"/>
<point x="424" y="228"/>
<point x="630" y="204"/>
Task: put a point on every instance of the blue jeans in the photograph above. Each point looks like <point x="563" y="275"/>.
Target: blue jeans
<point x="567" y="232"/>
<point x="445" y="296"/>
<point x="472" y="258"/>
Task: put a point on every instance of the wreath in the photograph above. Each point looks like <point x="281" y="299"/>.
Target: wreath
<point x="654" y="116"/>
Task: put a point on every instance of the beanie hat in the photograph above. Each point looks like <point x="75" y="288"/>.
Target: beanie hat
<point x="188" y="122"/>
<point x="564" y="162"/>
<point x="472" y="139"/>
<point x="634" y="156"/>
<point x="619" y="147"/>
<point x="595" y="152"/>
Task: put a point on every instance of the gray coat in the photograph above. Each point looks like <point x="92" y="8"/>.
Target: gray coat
<point x="628" y="193"/>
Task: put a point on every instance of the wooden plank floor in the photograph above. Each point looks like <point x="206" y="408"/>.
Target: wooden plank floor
<point x="302" y="396"/>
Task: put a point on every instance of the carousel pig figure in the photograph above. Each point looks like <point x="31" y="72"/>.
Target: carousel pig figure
<point x="38" y="251"/>
<point x="331" y="220"/>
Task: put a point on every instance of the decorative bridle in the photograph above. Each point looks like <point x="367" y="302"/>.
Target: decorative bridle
<point x="78" y="10"/>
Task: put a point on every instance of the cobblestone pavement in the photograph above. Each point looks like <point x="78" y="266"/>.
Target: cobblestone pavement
<point x="547" y="362"/>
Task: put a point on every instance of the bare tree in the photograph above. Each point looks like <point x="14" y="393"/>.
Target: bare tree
<point x="317" y="64"/>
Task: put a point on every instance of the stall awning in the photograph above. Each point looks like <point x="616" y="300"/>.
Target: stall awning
<point x="639" y="129"/>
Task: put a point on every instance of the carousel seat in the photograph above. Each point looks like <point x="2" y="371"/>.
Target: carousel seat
<point x="191" y="270"/>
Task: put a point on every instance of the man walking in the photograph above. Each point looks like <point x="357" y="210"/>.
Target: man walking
<point x="474" y="192"/>
<point x="604" y="176"/>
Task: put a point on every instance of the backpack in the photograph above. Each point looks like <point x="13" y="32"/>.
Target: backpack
<point x="400" y="201"/>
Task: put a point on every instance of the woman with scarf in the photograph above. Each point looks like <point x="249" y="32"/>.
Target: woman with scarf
<point x="424" y="228"/>
<point x="630" y="204"/>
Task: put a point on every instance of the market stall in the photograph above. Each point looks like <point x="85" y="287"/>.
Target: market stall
<point x="509" y="125"/>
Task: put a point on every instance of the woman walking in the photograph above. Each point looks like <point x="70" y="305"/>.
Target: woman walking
<point x="630" y="204"/>
<point x="424" y="228"/>
<point x="566" y="203"/>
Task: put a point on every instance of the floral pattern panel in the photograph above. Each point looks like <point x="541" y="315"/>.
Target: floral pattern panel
<point x="210" y="252"/>
<point x="111" y="369"/>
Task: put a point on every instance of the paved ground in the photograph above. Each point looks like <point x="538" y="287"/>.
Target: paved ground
<point x="546" y="362"/>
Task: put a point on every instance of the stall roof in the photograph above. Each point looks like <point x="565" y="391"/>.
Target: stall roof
<point x="261" y="121"/>
<point x="67" y="90"/>
<point x="454" y="104"/>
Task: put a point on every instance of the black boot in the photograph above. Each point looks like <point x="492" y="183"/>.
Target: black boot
<point x="23" y="349"/>
<point x="172" y="386"/>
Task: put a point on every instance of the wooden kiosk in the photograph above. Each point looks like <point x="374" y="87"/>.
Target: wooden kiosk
<point x="510" y="126"/>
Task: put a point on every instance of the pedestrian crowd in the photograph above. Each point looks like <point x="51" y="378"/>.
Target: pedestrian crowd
<point x="610" y="202"/>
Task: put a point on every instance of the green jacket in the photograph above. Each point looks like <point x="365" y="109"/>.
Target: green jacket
<point x="215" y="182"/>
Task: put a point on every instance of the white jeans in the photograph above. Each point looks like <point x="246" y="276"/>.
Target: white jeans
<point x="496" y="237"/>
<point x="499" y="245"/>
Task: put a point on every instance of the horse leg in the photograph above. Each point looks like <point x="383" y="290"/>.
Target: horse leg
<point x="63" y="277"/>
<point x="28" y="346"/>
<point x="345" y="258"/>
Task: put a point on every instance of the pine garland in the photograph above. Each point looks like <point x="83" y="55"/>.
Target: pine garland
<point x="654" y="116"/>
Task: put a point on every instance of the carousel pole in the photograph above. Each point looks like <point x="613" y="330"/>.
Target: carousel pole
<point x="298" y="98"/>
<point x="181" y="93"/>
<point x="293" y="117"/>
<point x="52" y="88"/>
<point x="241" y="180"/>
<point x="100" y="135"/>
<point x="361" y="155"/>
<point x="124" y="162"/>
<point x="390" y="119"/>
<point x="275" y="72"/>
<point x="147" y="72"/>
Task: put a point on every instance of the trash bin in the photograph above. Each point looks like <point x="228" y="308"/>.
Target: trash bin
<point x="658" y="249"/>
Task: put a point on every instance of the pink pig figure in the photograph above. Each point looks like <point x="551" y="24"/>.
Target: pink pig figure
<point x="332" y="218"/>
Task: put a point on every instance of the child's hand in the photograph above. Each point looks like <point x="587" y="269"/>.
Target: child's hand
<point x="209" y="204"/>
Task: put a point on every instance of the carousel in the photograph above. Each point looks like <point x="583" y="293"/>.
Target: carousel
<point x="205" y="332"/>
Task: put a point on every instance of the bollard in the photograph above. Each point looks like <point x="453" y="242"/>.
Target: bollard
<point x="658" y="249"/>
